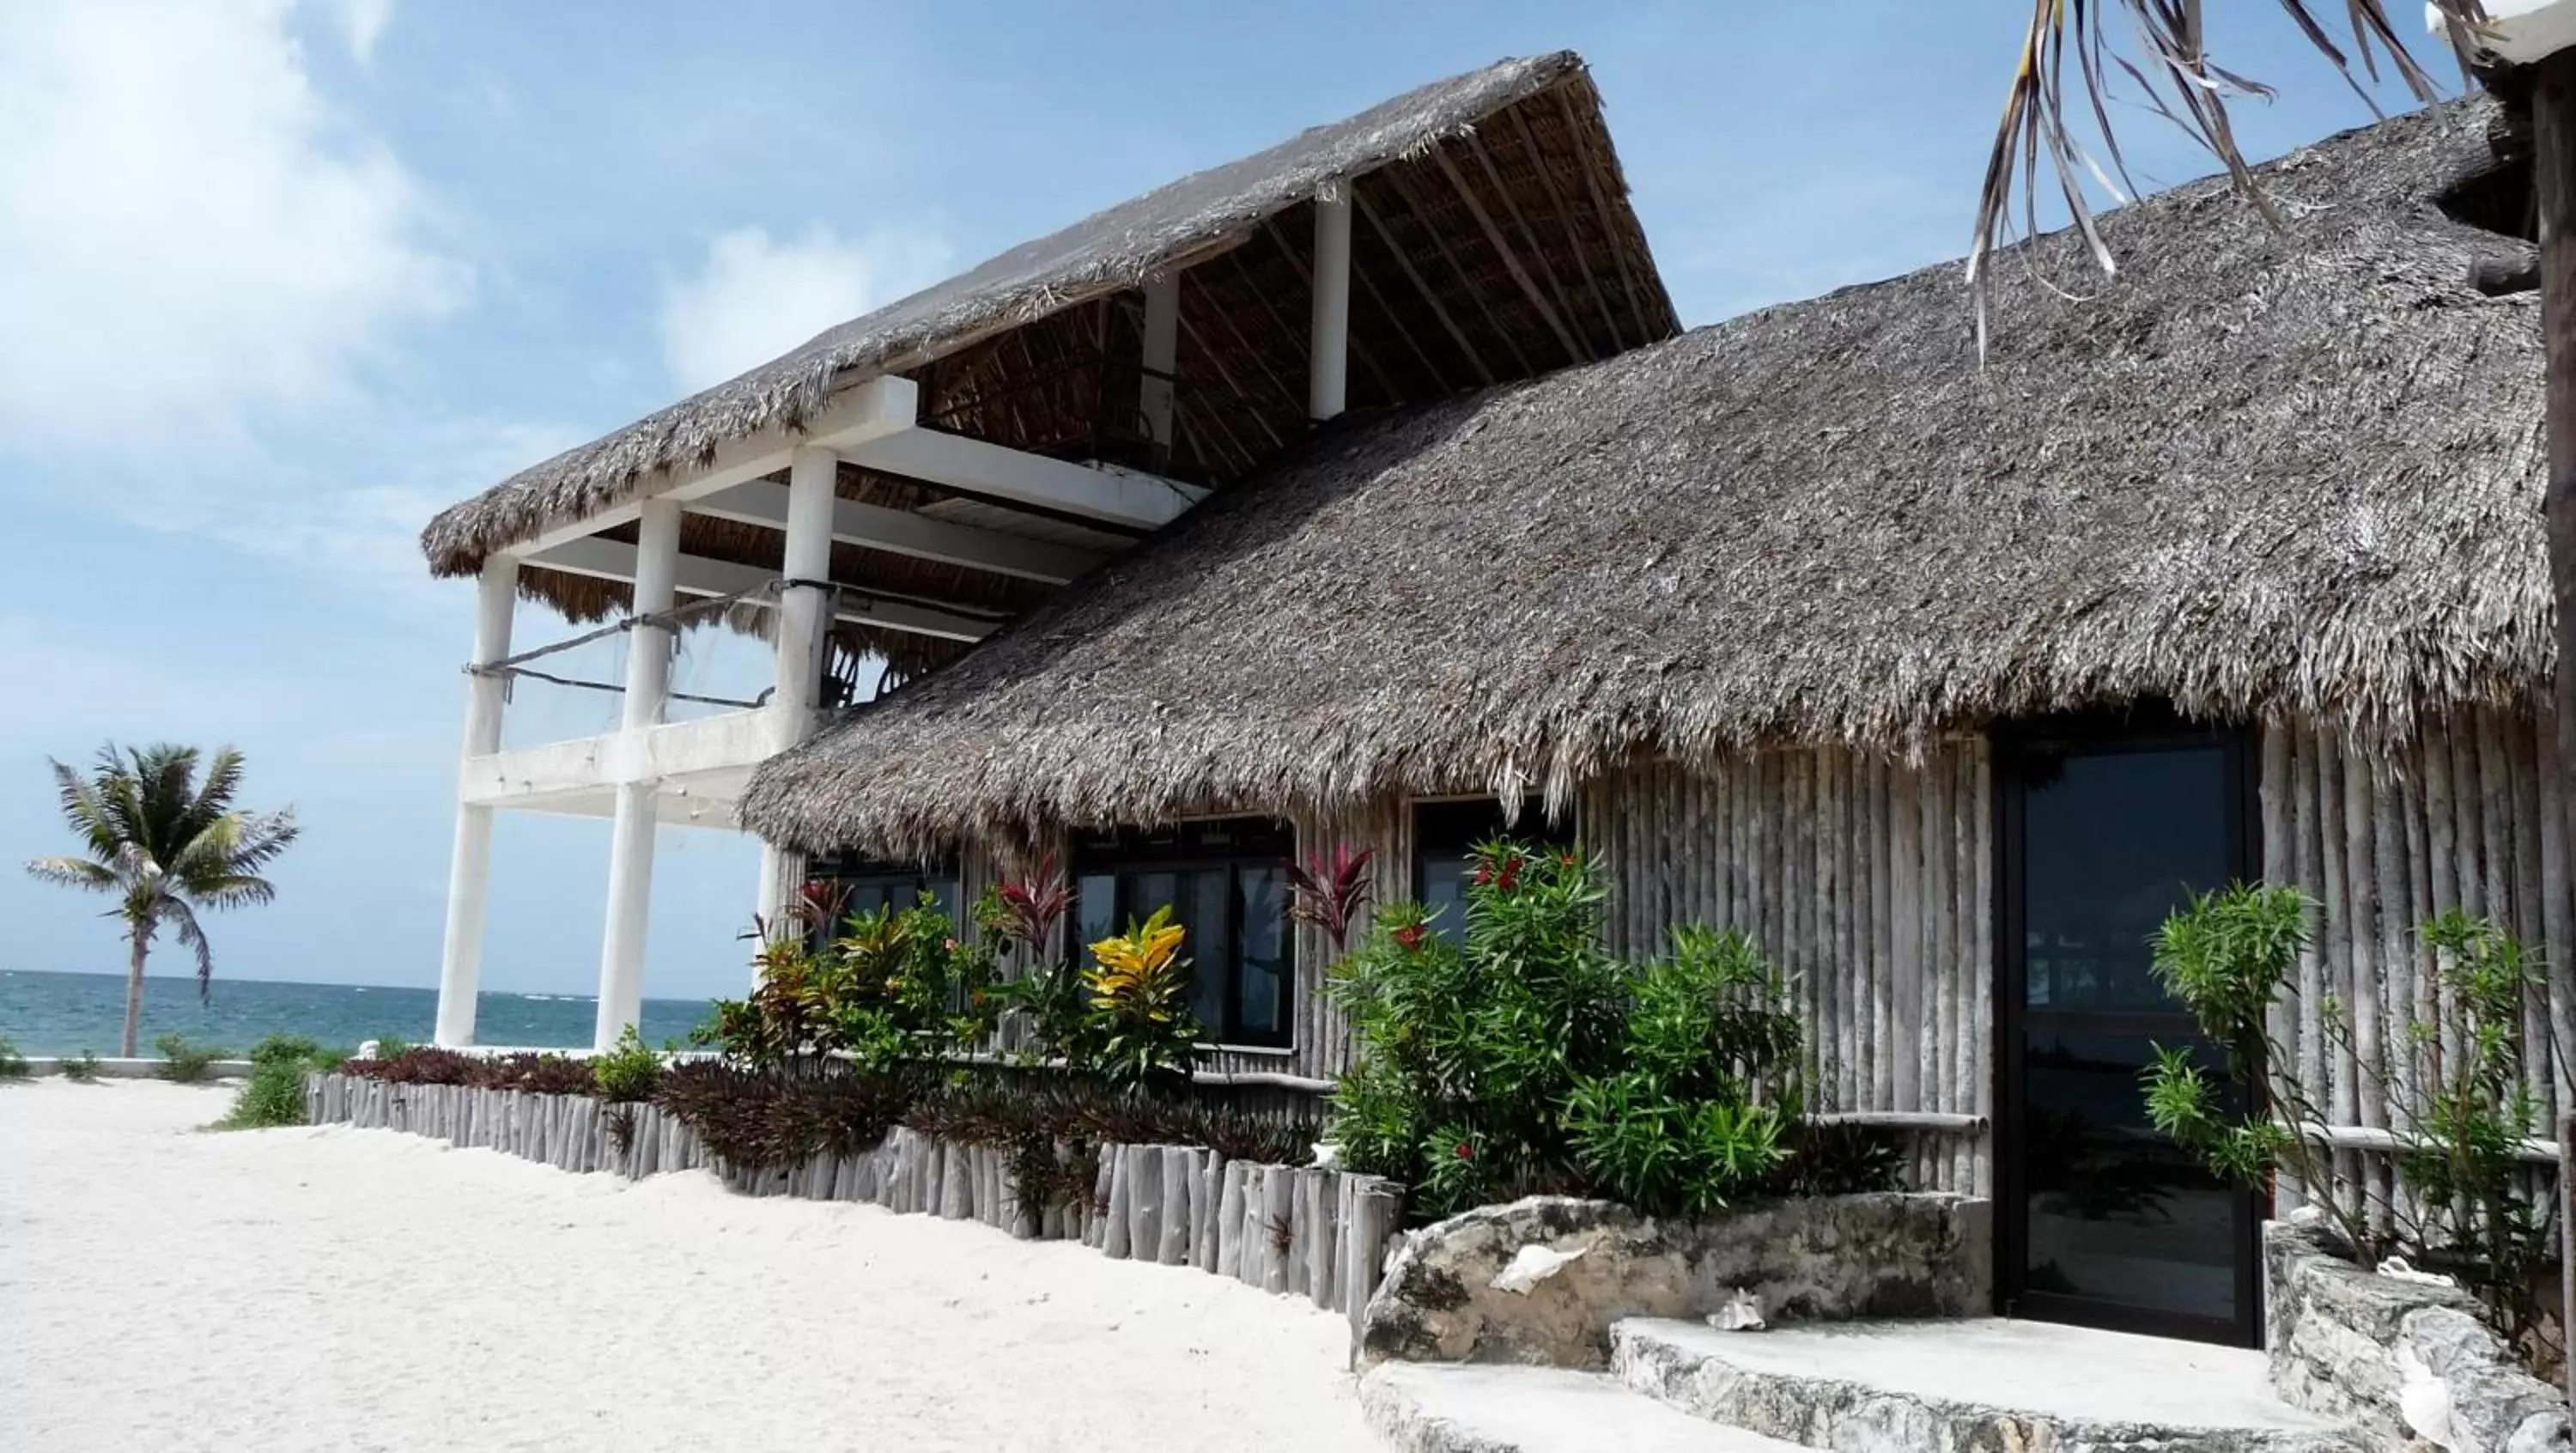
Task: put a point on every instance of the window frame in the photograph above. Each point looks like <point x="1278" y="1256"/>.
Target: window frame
<point x="851" y="871"/>
<point x="1268" y="844"/>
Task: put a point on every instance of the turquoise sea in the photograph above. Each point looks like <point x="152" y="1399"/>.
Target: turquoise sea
<point x="52" y="1014"/>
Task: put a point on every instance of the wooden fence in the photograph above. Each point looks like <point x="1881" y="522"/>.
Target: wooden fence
<point x="1298" y="1231"/>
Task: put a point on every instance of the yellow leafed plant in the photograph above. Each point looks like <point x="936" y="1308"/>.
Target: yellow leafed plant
<point x="1139" y="987"/>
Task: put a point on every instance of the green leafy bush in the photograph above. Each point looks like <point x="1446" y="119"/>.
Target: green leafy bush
<point x="1530" y="1059"/>
<point x="895" y="985"/>
<point x="284" y="1048"/>
<point x="628" y="1073"/>
<point x="13" y="1065"/>
<point x="1138" y="1031"/>
<point x="273" y="1096"/>
<point x="188" y="1063"/>
<point x="81" y="1067"/>
<point x="2459" y="1109"/>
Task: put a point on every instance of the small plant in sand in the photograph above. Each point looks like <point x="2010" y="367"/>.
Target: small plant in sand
<point x="13" y="1065"/>
<point x="186" y="1062"/>
<point x="273" y="1096"/>
<point x="630" y="1072"/>
<point x="82" y="1068"/>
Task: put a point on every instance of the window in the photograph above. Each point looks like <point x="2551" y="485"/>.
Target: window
<point x="1443" y="832"/>
<point x="1227" y="883"/>
<point x="873" y="883"/>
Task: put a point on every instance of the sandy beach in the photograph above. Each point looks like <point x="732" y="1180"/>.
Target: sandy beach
<point x="362" y="1289"/>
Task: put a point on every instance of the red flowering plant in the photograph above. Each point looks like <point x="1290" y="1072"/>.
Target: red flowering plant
<point x="1047" y="998"/>
<point x="1513" y="1054"/>
<point x="1330" y="892"/>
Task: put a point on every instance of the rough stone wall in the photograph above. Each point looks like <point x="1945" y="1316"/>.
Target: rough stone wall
<point x="2407" y="1361"/>
<point x="1833" y="1258"/>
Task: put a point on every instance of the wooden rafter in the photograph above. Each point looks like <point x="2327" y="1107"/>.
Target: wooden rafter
<point x="1224" y="316"/>
<point x="1457" y="335"/>
<point x="1449" y="258"/>
<point x="1573" y="235"/>
<point x="1225" y="375"/>
<point x="1601" y="208"/>
<point x="1494" y="238"/>
<point x="1565" y="309"/>
<point x="1306" y="277"/>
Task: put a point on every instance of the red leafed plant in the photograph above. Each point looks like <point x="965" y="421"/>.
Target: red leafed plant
<point x="1331" y="892"/>
<point x="1030" y="906"/>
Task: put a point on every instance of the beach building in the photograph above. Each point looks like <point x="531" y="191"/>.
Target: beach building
<point x="1366" y="492"/>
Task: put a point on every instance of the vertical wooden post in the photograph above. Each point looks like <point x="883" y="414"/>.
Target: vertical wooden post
<point x="1161" y="347"/>
<point x="2553" y="127"/>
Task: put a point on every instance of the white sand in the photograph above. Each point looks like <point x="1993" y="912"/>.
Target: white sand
<point x="362" y="1289"/>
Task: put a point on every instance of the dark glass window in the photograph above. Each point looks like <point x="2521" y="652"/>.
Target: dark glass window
<point x="873" y="883"/>
<point x="1227" y="883"/>
<point x="1443" y="834"/>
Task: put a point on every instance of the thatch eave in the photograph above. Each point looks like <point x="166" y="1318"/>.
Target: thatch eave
<point x="2257" y="475"/>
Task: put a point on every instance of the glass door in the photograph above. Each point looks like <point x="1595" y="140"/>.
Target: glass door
<point x="2102" y="1221"/>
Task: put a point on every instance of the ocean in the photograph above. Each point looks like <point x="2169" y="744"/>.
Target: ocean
<point x="53" y="1014"/>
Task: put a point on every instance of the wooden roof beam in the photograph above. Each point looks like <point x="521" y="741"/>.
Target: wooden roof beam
<point x="1601" y="208"/>
<point x="1565" y="218"/>
<point x="1458" y="336"/>
<point x="1466" y="279"/>
<point x="1306" y="276"/>
<point x="1574" y="352"/>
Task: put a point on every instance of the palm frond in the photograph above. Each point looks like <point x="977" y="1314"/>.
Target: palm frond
<point x="176" y="912"/>
<point x="2177" y="78"/>
<point x="74" y="873"/>
<point x="83" y="812"/>
<point x="233" y="890"/>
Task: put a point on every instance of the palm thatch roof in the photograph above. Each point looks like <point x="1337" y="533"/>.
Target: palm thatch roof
<point x="1497" y="242"/>
<point x="2256" y="474"/>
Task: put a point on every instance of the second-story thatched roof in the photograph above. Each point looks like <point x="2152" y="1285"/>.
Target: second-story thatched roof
<point x="2256" y="474"/>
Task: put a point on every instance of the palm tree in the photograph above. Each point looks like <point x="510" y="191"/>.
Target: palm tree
<point x="166" y="846"/>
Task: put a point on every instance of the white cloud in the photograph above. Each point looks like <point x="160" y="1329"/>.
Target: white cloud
<point x="189" y="235"/>
<point x="362" y="23"/>
<point x="757" y="297"/>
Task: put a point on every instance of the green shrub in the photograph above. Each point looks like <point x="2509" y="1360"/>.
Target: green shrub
<point x="330" y="1058"/>
<point x="81" y="1067"/>
<point x="287" y="1048"/>
<point x="188" y="1063"/>
<point x="13" y="1065"/>
<point x="273" y="1096"/>
<point x="895" y="986"/>
<point x="1530" y="1059"/>
<point x="628" y="1073"/>
<point x="2459" y="1108"/>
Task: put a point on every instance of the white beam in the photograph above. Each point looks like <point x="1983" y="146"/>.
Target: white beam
<point x="1329" y="325"/>
<point x="469" y="869"/>
<point x="901" y="532"/>
<point x="699" y="576"/>
<point x="1093" y="491"/>
<point x="648" y="655"/>
<point x="850" y="419"/>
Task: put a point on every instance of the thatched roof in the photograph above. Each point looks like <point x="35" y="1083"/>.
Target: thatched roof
<point x="2256" y="474"/>
<point x="1036" y="347"/>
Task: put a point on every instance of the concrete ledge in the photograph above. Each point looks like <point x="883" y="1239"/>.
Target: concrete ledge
<point x="138" y="1068"/>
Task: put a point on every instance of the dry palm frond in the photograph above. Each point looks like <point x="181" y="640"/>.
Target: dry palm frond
<point x="2170" y="63"/>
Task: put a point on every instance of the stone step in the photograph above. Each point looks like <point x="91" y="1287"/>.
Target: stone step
<point x="1424" y="1407"/>
<point x="1981" y="1385"/>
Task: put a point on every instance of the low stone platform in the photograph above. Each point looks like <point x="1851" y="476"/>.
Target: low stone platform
<point x="1980" y="1385"/>
<point x="1429" y="1407"/>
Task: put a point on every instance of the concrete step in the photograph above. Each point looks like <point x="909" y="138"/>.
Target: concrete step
<point x="1972" y="1386"/>
<point x="1422" y="1407"/>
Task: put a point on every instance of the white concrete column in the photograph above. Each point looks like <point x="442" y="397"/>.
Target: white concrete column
<point x="630" y="847"/>
<point x="469" y="868"/>
<point x="803" y="614"/>
<point x="1329" y="334"/>
<point x="1162" y="352"/>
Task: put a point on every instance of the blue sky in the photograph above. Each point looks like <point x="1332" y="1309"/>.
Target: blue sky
<point x="278" y="280"/>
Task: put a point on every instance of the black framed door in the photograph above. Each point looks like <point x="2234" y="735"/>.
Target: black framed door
<point x="2104" y="829"/>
